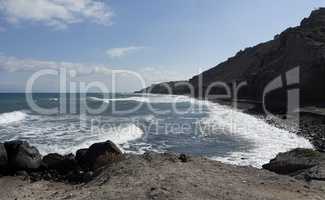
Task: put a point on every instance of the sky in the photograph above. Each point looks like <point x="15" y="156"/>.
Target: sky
<point x="161" y="40"/>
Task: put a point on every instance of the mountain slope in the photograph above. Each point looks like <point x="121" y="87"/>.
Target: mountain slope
<point x="302" y="47"/>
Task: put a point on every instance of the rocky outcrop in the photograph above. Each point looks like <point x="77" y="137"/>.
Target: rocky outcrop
<point x="302" y="46"/>
<point x="80" y="156"/>
<point x="22" y="156"/>
<point x="300" y="163"/>
<point x="172" y="87"/>
<point x="59" y="163"/>
<point x="19" y="158"/>
<point x="99" y="155"/>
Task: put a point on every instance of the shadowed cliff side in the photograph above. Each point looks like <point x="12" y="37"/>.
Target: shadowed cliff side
<point x="301" y="48"/>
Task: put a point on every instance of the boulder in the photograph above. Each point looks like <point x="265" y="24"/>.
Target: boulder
<point x="99" y="155"/>
<point x="59" y="163"/>
<point x="80" y="155"/>
<point x="294" y="161"/>
<point x="22" y="156"/>
<point x="3" y="158"/>
<point x="184" y="158"/>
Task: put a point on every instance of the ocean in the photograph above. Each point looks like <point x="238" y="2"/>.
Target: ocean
<point x="142" y="122"/>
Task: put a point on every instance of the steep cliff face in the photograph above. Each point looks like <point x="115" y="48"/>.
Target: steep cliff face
<point x="296" y="57"/>
<point x="302" y="46"/>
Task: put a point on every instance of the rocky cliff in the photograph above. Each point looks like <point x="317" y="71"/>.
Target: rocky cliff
<point x="302" y="47"/>
<point x="172" y="87"/>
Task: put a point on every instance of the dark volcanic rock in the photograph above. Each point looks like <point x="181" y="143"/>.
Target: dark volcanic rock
<point x="3" y="158"/>
<point x="22" y="156"/>
<point x="80" y="155"/>
<point x="101" y="154"/>
<point x="59" y="163"/>
<point x="294" y="161"/>
<point x="20" y="159"/>
<point x="302" y="46"/>
<point x="21" y="173"/>
<point x="172" y="87"/>
<point x="184" y="158"/>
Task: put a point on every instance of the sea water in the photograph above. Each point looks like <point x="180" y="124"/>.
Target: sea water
<point x="143" y="122"/>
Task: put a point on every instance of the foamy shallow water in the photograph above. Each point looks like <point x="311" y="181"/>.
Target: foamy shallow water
<point x="213" y="130"/>
<point x="268" y="140"/>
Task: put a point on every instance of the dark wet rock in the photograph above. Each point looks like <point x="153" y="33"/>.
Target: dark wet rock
<point x="3" y="158"/>
<point x="22" y="156"/>
<point x="294" y="161"/>
<point x="80" y="155"/>
<point x="69" y="163"/>
<point x="52" y="161"/>
<point x="88" y="176"/>
<point x="184" y="158"/>
<point x="59" y="163"/>
<point x="25" y="160"/>
<point x="21" y="173"/>
<point x="101" y="154"/>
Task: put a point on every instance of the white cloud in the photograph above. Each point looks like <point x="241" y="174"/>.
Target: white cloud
<point x="56" y="13"/>
<point x="120" y="52"/>
<point x="13" y="64"/>
<point x="92" y="72"/>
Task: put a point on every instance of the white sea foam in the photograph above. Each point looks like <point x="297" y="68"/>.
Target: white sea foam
<point x="267" y="140"/>
<point x="138" y="99"/>
<point x="54" y="99"/>
<point x="11" y="117"/>
<point x="120" y="135"/>
<point x="148" y="99"/>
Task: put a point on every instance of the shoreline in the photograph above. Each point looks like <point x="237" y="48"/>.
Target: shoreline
<point x="311" y="121"/>
<point x="166" y="176"/>
<point x="162" y="176"/>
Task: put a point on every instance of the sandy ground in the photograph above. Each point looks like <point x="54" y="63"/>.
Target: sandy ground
<point x="163" y="177"/>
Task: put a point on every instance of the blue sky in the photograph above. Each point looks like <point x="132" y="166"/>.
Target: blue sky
<point x="161" y="39"/>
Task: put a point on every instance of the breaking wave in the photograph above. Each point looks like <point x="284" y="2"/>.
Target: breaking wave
<point x="11" y="117"/>
<point x="120" y="135"/>
<point x="149" y="99"/>
<point x="267" y="140"/>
